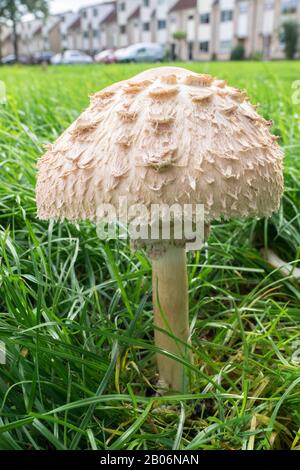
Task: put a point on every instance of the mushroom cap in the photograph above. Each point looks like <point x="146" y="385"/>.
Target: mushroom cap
<point x="166" y="136"/>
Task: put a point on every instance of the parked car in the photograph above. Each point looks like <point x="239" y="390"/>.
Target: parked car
<point x="71" y="57"/>
<point x="105" y="57"/>
<point x="119" y="54"/>
<point x="143" y="52"/>
<point x="11" y="59"/>
<point x="42" y="57"/>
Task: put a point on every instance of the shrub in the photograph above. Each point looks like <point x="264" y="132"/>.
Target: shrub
<point x="238" y="53"/>
<point x="290" y="34"/>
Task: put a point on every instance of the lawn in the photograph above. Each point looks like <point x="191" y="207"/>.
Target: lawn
<point x="76" y="313"/>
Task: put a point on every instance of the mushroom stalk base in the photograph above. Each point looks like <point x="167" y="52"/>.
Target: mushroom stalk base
<point x="170" y="302"/>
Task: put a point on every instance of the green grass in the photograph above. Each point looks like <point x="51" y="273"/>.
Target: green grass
<point x="76" y="314"/>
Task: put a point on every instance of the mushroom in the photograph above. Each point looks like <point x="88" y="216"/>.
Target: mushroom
<point x="285" y="268"/>
<point x="167" y="136"/>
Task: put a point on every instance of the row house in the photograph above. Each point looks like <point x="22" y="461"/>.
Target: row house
<point x="214" y="27"/>
<point x="6" y="41"/>
<point x="183" y="21"/>
<point x="65" y="21"/>
<point x="128" y="23"/>
<point x="92" y="19"/>
<point x="189" y="29"/>
<point x="42" y="35"/>
<point x="143" y="21"/>
<point x="109" y="30"/>
<point x="162" y="21"/>
<point x="276" y="13"/>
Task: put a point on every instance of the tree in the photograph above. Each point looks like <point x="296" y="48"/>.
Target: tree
<point x="290" y="36"/>
<point x="180" y="36"/>
<point x="13" y="10"/>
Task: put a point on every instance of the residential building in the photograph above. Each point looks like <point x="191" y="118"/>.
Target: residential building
<point x="65" y="20"/>
<point x="224" y="34"/>
<point x="183" y="29"/>
<point x="125" y="10"/>
<point x="75" y="34"/>
<point x="205" y="33"/>
<point x="282" y="11"/>
<point x="147" y="20"/>
<point x="189" y="29"/>
<point x="29" y="36"/>
<point x="51" y="34"/>
<point x="6" y="41"/>
<point x="134" y="26"/>
<point x="162" y="20"/>
<point x="109" y="30"/>
<point x="91" y="19"/>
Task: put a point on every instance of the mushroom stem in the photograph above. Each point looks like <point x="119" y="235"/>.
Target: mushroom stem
<point x="286" y="269"/>
<point x="170" y="302"/>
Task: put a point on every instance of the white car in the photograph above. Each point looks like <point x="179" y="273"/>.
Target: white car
<point x="71" y="57"/>
<point x="143" y="52"/>
<point x="119" y="53"/>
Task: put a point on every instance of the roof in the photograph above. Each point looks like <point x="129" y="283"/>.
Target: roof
<point x="111" y="17"/>
<point x="95" y="5"/>
<point x="38" y="30"/>
<point x="55" y="24"/>
<point x="184" y="5"/>
<point x="135" y="14"/>
<point x="76" y="23"/>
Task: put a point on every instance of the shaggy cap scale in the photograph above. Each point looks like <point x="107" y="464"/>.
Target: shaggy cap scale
<point x="166" y="136"/>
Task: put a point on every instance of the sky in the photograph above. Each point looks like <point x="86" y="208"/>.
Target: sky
<point x="57" y="6"/>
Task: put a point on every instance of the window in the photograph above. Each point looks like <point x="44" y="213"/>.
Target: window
<point x="225" y="46"/>
<point x="146" y="3"/>
<point x="161" y="24"/>
<point x="63" y="19"/>
<point x="122" y="6"/>
<point x="146" y="26"/>
<point x="96" y="33"/>
<point x="204" y="46"/>
<point x="243" y="7"/>
<point x="123" y="29"/>
<point x="205" y="18"/>
<point x="173" y="19"/>
<point x="226" y="15"/>
<point x="95" y="12"/>
<point x="84" y="14"/>
<point x="289" y="6"/>
<point x="85" y="34"/>
<point x="191" y="17"/>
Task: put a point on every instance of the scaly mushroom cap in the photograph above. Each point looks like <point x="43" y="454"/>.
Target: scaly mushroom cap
<point x="166" y="136"/>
